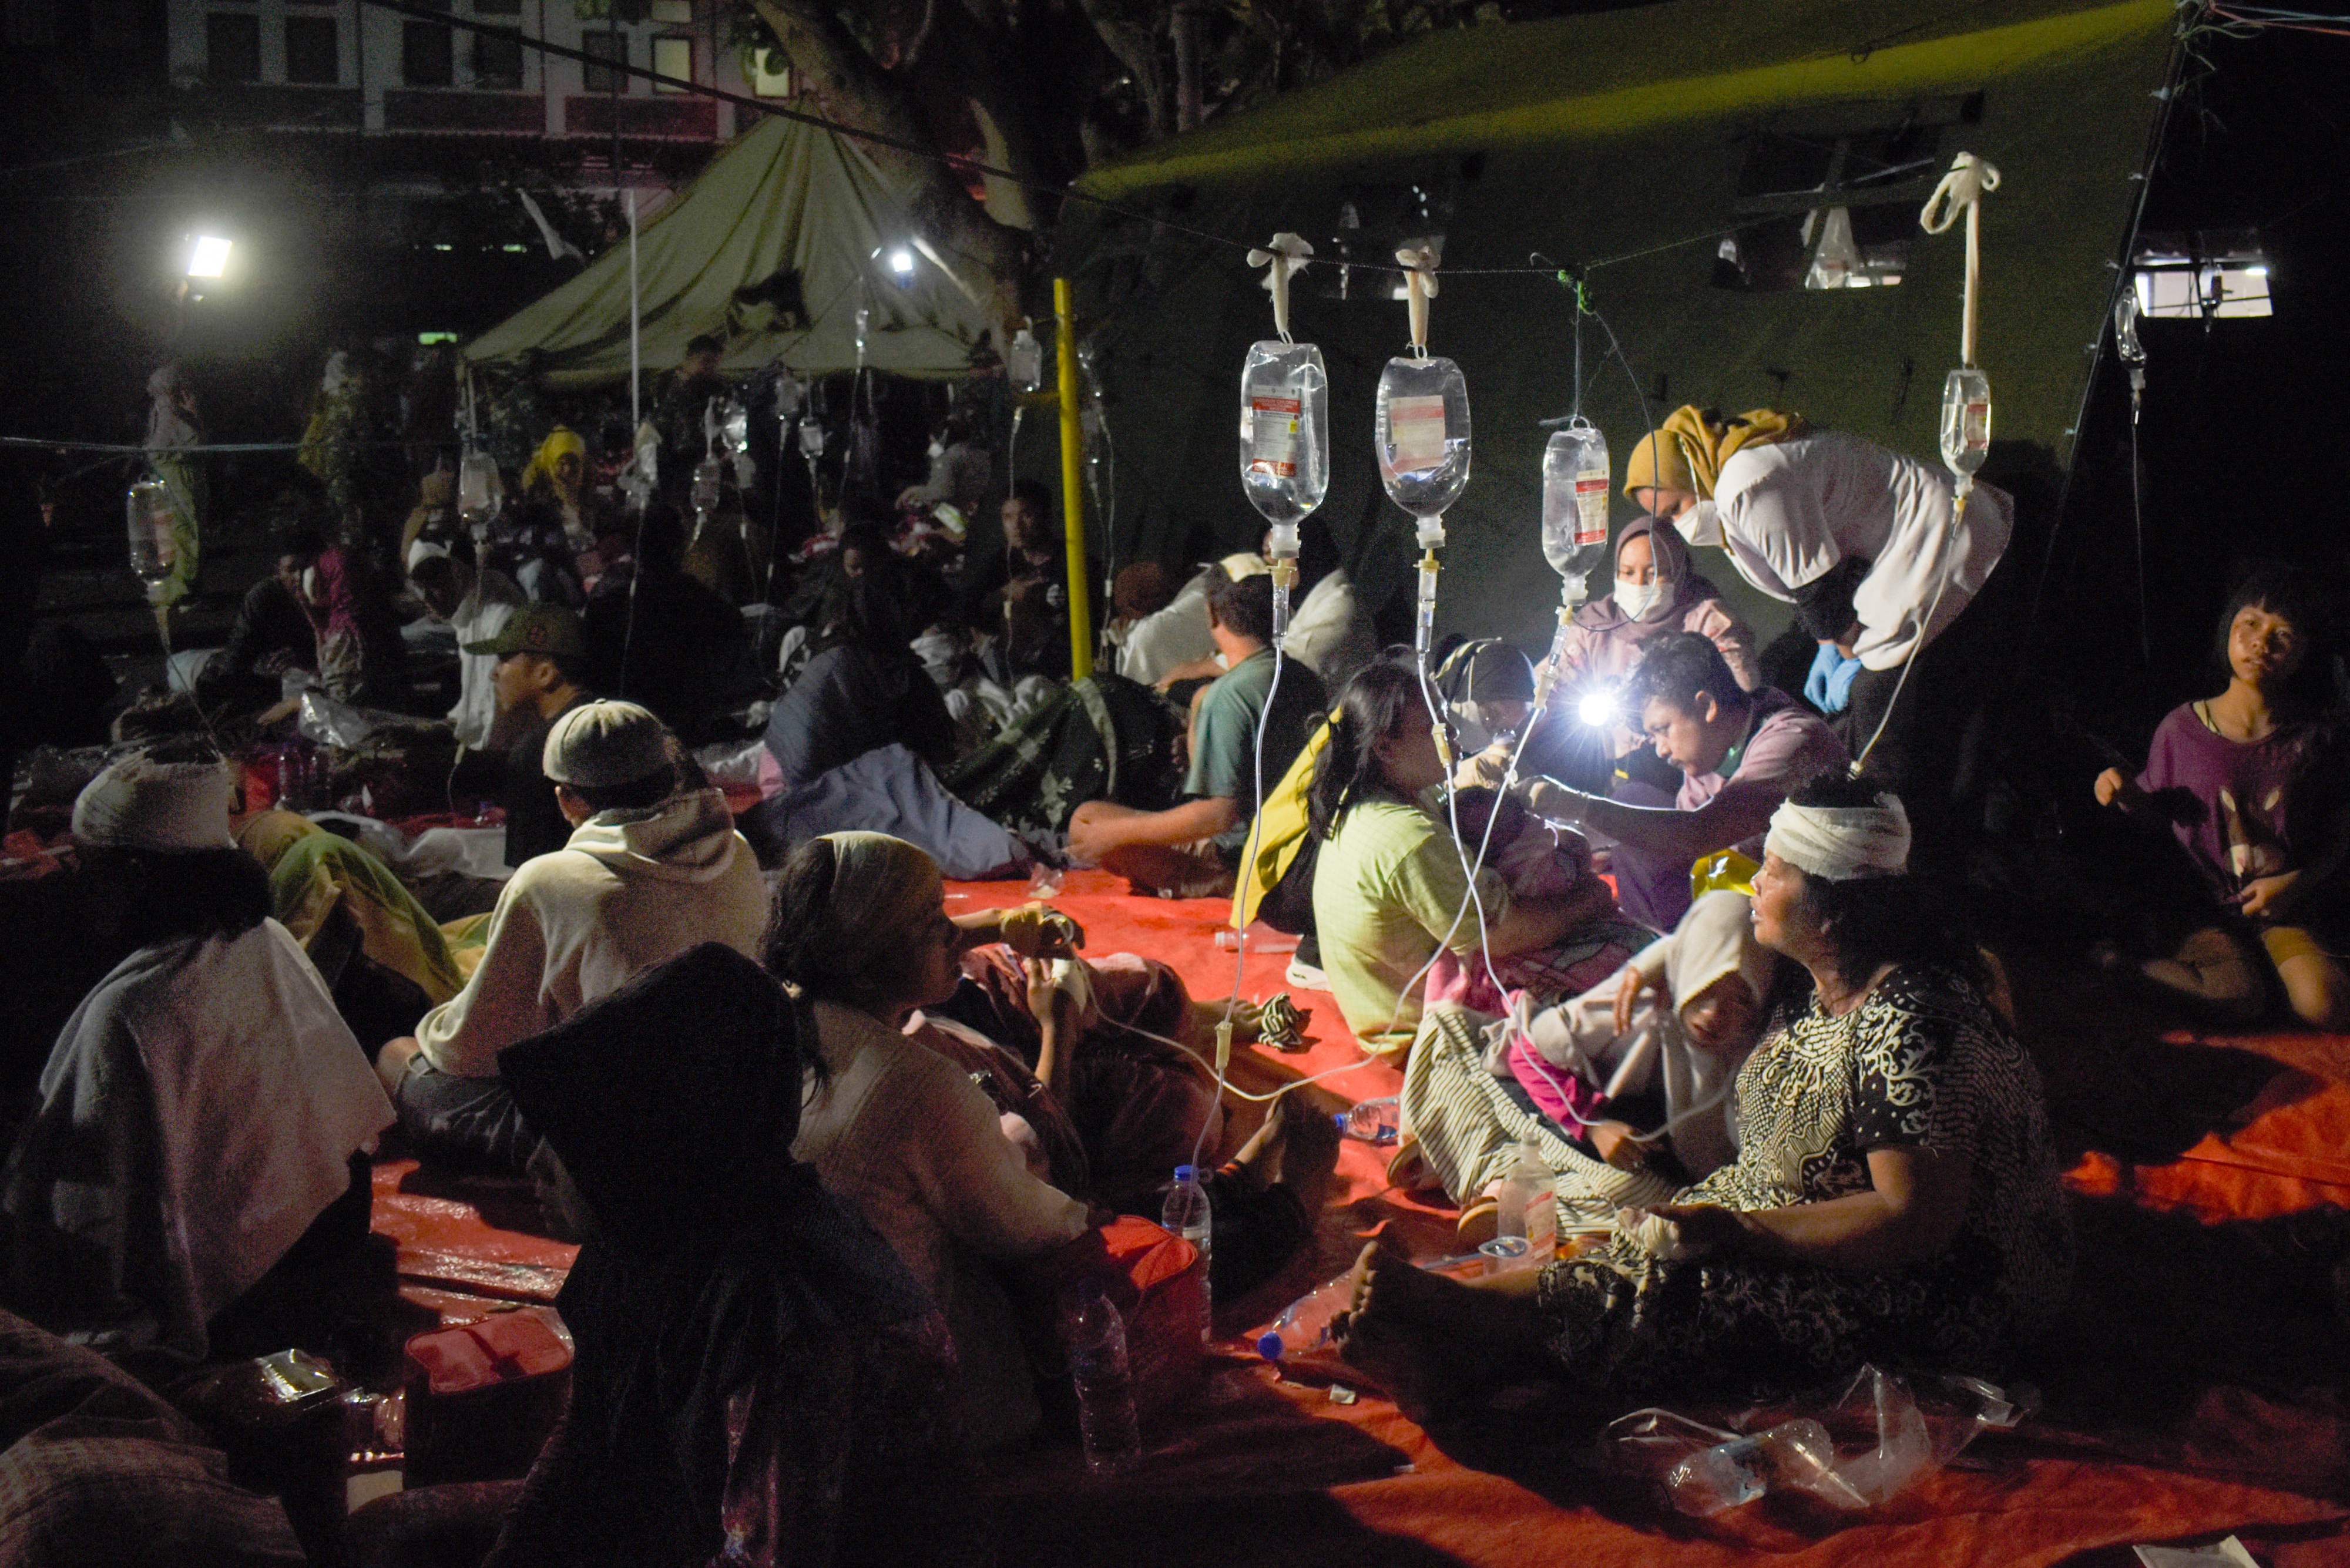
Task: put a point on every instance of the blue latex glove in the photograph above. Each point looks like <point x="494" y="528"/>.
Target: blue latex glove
<point x="1828" y="686"/>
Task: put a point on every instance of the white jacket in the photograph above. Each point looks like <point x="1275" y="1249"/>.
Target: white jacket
<point x="1791" y="510"/>
<point x="906" y="1135"/>
<point x="479" y="617"/>
<point x="627" y="892"/>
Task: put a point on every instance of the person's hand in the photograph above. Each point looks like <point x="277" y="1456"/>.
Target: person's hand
<point x="1044" y="996"/>
<point x="1551" y="801"/>
<point x="1636" y="983"/>
<point x="1618" y="1147"/>
<point x="1090" y="838"/>
<point x="1039" y="931"/>
<point x="2268" y="897"/>
<point x="2114" y="788"/>
<point x="1707" y="1228"/>
<point x="1486" y="769"/>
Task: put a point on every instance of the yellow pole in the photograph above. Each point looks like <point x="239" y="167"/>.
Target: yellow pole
<point x="1073" y="487"/>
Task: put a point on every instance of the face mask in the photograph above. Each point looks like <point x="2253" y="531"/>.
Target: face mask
<point x="1701" y="525"/>
<point x="1636" y="599"/>
<point x="1469" y="734"/>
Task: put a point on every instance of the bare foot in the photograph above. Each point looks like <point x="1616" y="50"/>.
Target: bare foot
<point x="1379" y="1336"/>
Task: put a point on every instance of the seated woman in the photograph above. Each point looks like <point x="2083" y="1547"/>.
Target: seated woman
<point x="195" y="1160"/>
<point x="1624" y="1088"/>
<point x="859" y="926"/>
<point x="1390" y="891"/>
<point x="1894" y="1198"/>
<point x="759" y="1378"/>
<point x="2252" y="782"/>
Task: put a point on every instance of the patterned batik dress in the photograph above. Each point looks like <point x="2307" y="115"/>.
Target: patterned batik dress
<point x="1922" y="1063"/>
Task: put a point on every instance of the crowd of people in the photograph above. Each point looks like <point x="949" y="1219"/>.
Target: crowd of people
<point x="1697" y="954"/>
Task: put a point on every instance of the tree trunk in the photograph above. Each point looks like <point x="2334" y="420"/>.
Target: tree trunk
<point x="1188" y="90"/>
<point x="851" y="89"/>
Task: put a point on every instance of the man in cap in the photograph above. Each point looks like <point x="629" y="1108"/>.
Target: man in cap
<point x="654" y="867"/>
<point x="542" y="662"/>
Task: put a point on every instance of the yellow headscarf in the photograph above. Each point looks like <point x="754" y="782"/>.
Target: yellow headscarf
<point x="1692" y="451"/>
<point x="561" y="442"/>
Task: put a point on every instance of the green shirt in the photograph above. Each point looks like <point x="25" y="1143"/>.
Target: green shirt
<point x="1386" y="888"/>
<point x="1224" y="746"/>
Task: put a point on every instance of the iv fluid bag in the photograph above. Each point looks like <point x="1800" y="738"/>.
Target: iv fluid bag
<point x="1575" y="477"/>
<point x="1422" y="434"/>
<point x="811" y="439"/>
<point x="733" y="426"/>
<point x="707" y="480"/>
<point x="147" y="518"/>
<point x="1024" y="362"/>
<point x="478" y="486"/>
<point x="789" y="396"/>
<point x="1285" y="430"/>
<point x="1966" y="421"/>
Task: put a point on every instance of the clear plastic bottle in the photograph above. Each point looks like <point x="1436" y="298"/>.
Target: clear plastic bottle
<point x="1714" y="1479"/>
<point x="1304" y="1324"/>
<point x="1421" y="436"/>
<point x="147" y="523"/>
<point x="1376" y="1121"/>
<point x="1966" y="421"/>
<point x="1095" y="1335"/>
<point x="1187" y="1214"/>
<point x="1575" y="476"/>
<point x="1528" y="1203"/>
<point x="1285" y="430"/>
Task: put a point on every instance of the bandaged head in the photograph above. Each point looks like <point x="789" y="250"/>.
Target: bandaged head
<point x="1842" y="843"/>
<point x="173" y="807"/>
<point x="884" y="892"/>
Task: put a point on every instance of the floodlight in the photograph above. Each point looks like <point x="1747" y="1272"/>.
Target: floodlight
<point x="1597" y="709"/>
<point x="208" y="256"/>
<point x="901" y="262"/>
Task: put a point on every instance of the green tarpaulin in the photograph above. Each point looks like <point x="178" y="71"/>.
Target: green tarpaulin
<point x="1694" y="153"/>
<point x="772" y="248"/>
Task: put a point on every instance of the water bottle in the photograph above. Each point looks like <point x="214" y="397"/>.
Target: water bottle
<point x="1742" y="1469"/>
<point x="1284" y="431"/>
<point x="1097" y="1367"/>
<point x="1422" y="436"/>
<point x="1528" y="1204"/>
<point x="1186" y="1214"/>
<point x="1575" y="504"/>
<point x="1304" y="1324"/>
<point x="1373" y="1121"/>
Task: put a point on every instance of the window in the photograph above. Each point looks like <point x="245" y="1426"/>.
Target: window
<point x="232" y="47"/>
<point x="498" y="62"/>
<point x="313" y="52"/>
<point x="673" y="57"/>
<point x="2202" y="276"/>
<point x="605" y="46"/>
<point x="1832" y="209"/>
<point x="771" y="73"/>
<point x="427" y="54"/>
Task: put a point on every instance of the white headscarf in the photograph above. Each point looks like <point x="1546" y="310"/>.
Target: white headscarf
<point x="1841" y="843"/>
<point x="141" y="803"/>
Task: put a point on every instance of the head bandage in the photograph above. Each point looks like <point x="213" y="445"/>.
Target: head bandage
<point x="173" y="808"/>
<point x="1841" y="843"/>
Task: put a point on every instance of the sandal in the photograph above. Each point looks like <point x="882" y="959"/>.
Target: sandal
<point x="1407" y="1168"/>
<point x="1478" y="1223"/>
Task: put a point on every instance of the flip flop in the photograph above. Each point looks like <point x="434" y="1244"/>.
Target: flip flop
<point x="1407" y="1168"/>
<point x="1478" y="1223"/>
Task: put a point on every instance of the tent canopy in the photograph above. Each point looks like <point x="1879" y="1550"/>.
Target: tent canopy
<point x="1693" y="156"/>
<point x="772" y="248"/>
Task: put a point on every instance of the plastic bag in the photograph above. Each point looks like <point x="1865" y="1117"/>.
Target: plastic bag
<point x="1887" y="1433"/>
<point x="327" y="723"/>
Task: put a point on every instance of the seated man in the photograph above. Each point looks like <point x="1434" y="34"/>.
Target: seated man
<point x="651" y="871"/>
<point x="273" y="632"/>
<point x="193" y="1170"/>
<point x="537" y="678"/>
<point x="475" y="605"/>
<point x="1194" y="850"/>
<point x="1740" y="752"/>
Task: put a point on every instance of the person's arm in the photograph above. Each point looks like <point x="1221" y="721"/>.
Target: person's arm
<point x="502" y="1001"/>
<point x="1824" y="604"/>
<point x="1532" y="924"/>
<point x="1917" y="1201"/>
<point x="1185" y="823"/>
<point x="975" y="1181"/>
<point x="1666" y="832"/>
<point x="1191" y="670"/>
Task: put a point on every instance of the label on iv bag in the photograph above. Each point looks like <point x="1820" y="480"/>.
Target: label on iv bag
<point x="1591" y="508"/>
<point x="1416" y="431"/>
<point x="1273" y="436"/>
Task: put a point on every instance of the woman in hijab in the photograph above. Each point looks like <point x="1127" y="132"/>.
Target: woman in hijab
<point x="859" y="927"/>
<point x="759" y="1380"/>
<point x="1895" y="1199"/>
<point x="1624" y="1089"/>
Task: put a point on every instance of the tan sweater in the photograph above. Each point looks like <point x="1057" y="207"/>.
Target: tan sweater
<point x="624" y="893"/>
<point x="904" y="1135"/>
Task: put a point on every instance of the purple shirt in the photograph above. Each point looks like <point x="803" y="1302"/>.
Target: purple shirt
<point x="1787" y="746"/>
<point x="2257" y="807"/>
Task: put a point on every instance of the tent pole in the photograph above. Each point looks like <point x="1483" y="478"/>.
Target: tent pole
<point x="1073" y="487"/>
<point x="636" y="407"/>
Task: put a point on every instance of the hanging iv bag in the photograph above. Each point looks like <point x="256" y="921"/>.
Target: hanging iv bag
<point x="1422" y="439"/>
<point x="1966" y="421"/>
<point x="148" y="517"/>
<point x="1284" y="432"/>
<point x="1025" y="361"/>
<point x="1575" y="477"/>
<point x="478" y="486"/>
